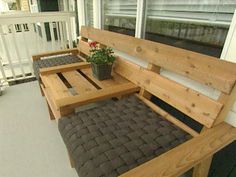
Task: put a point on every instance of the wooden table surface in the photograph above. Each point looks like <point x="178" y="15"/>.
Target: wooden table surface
<point x="64" y="89"/>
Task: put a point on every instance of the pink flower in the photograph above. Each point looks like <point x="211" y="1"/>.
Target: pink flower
<point x="93" y="44"/>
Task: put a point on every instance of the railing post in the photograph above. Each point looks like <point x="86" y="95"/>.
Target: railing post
<point x="7" y="52"/>
<point x="17" y="36"/>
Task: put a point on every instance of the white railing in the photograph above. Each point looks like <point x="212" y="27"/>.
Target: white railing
<point x="22" y="35"/>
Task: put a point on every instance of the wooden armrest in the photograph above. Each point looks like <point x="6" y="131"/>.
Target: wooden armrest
<point x="74" y="51"/>
<point x="185" y="156"/>
<point x="64" y="68"/>
<point x="97" y="95"/>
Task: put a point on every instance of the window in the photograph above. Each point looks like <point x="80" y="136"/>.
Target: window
<point x="89" y="12"/>
<point x="120" y="16"/>
<point x="199" y="26"/>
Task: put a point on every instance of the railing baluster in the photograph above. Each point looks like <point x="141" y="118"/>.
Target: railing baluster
<point x="27" y="51"/>
<point x="2" y="71"/>
<point x="52" y="35"/>
<point x="36" y="34"/>
<point x="62" y="35"/>
<point x="69" y="33"/>
<point x="58" y="36"/>
<point x="7" y="53"/>
<point x="17" y="49"/>
<point x="44" y="39"/>
<point x="20" y="30"/>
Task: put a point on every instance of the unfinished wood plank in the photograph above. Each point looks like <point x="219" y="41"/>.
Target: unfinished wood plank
<point x="115" y="80"/>
<point x="90" y="97"/>
<point x="202" y="68"/>
<point x="167" y="116"/>
<point x="59" y="90"/>
<point x="199" y="107"/>
<point x="155" y="69"/>
<point x="186" y="155"/>
<point x="78" y="82"/>
<point x="202" y="169"/>
<point x="83" y="47"/>
<point x="52" y="117"/>
<point x="51" y="103"/>
<point x="73" y="51"/>
<point x="64" y="68"/>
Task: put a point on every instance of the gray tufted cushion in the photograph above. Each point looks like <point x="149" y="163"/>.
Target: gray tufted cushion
<point x="54" y="61"/>
<point x="114" y="138"/>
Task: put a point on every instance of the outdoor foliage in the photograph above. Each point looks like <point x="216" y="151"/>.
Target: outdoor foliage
<point x="100" y="55"/>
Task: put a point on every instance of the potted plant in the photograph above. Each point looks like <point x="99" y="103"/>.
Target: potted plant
<point x="101" y="60"/>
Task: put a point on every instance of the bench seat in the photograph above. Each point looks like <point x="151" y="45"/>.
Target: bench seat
<point x="116" y="137"/>
<point x="54" y="61"/>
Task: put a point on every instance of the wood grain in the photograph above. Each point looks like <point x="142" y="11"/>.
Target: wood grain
<point x="202" y="68"/>
<point x="199" y="107"/>
<point x="115" y="80"/>
<point x="59" y="89"/>
<point x="84" y="47"/>
<point x="168" y="117"/>
<point x="182" y="158"/>
<point x="78" y="82"/>
<point x="114" y="91"/>
<point x="64" y="68"/>
<point x="73" y="51"/>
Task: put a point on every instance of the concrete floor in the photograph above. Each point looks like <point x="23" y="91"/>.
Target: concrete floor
<point x="30" y="144"/>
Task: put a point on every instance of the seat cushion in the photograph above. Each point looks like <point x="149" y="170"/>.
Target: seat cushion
<point x="116" y="137"/>
<point x="54" y="61"/>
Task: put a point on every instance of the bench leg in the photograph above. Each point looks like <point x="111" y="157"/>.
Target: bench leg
<point x="52" y="117"/>
<point x="41" y="89"/>
<point x="202" y="169"/>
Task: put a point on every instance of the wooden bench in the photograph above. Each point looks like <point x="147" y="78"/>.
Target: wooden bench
<point x="211" y="113"/>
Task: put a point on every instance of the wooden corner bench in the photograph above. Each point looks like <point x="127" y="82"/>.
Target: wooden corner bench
<point x="194" y="152"/>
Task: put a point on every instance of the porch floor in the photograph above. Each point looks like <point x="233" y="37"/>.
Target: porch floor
<point x="30" y="144"/>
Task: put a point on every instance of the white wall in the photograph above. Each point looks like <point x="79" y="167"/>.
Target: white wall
<point x="229" y="54"/>
<point x="3" y="6"/>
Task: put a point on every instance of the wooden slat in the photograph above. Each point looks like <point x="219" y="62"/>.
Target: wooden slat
<point x="59" y="90"/>
<point x="155" y="69"/>
<point x="50" y="101"/>
<point x="182" y="158"/>
<point x="74" y="51"/>
<point x="202" y="68"/>
<point x="64" y="68"/>
<point x="116" y="79"/>
<point x="192" y="103"/>
<point x="78" y="82"/>
<point x="99" y="95"/>
<point x="202" y="169"/>
<point x="167" y="116"/>
<point x="84" y="47"/>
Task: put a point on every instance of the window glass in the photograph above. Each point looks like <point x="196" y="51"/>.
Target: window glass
<point x="120" y="16"/>
<point x="89" y="12"/>
<point x="197" y="25"/>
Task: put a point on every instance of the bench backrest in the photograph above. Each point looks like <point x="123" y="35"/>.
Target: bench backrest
<point x="207" y="70"/>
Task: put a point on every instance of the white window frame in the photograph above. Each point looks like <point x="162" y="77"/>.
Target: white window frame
<point x="97" y="16"/>
<point x="228" y="42"/>
<point x="81" y="13"/>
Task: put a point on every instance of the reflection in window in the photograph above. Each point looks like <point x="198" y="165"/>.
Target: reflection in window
<point x="195" y="25"/>
<point x="120" y="16"/>
<point x="89" y="12"/>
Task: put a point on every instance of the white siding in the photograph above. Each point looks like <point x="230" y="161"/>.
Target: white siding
<point x="229" y="54"/>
